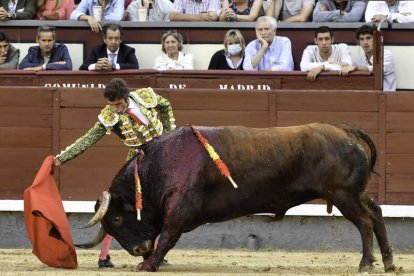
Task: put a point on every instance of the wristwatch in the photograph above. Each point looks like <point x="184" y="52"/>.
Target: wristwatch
<point x="11" y="15"/>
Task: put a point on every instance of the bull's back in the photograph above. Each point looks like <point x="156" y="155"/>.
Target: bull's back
<point x="274" y="168"/>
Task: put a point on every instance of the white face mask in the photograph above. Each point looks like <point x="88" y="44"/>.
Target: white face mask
<point x="234" y="49"/>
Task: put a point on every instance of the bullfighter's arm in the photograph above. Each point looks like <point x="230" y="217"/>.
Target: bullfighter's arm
<point x="83" y="143"/>
<point x="166" y="113"/>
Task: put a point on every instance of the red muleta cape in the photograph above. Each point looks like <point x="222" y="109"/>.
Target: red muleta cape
<point x="46" y="221"/>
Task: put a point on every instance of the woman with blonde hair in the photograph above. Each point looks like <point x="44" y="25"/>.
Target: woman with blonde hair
<point x="232" y="56"/>
<point x="54" y="9"/>
<point x="172" y="57"/>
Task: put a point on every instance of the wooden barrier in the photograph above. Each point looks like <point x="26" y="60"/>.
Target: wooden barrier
<point x="192" y="79"/>
<point x="37" y="122"/>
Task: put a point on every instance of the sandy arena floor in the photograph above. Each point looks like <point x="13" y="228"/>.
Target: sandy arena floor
<point x="207" y="262"/>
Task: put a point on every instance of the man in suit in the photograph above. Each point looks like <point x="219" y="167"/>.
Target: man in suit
<point x="112" y="54"/>
<point x="17" y="9"/>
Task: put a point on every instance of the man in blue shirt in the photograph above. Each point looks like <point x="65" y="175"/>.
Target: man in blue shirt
<point x="268" y="52"/>
<point x="47" y="55"/>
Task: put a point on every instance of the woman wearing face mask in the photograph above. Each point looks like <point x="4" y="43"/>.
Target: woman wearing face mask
<point x="232" y="56"/>
<point x="173" y="58"/>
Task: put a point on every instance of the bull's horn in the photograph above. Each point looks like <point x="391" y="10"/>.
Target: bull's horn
<point x="97" y="240"/>
<point x="104" y="203"/>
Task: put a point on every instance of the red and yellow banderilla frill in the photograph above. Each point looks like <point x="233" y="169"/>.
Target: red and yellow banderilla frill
<point x="214" y="155"/>
<point x="138" y="189"/>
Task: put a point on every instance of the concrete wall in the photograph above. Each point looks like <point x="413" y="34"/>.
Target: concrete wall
<point x="294" y="232"/>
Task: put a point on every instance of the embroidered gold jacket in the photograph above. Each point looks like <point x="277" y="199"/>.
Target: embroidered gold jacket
<point x="132" y="133"/>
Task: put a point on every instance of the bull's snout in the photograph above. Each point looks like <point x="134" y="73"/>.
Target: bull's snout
<point x="142" y="249"/>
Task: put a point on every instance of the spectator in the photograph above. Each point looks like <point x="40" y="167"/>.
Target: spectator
<point x="339" y="11"/>
<point x="232" y="56"/>
<point x="113" y="54"/>
<point x="17" y="9"/>
<point x="159" y="10"/>
<point x="291" y="10"/>
<point x="173" y="58"/>
<point x="268" y="51"/>
<point x="365" y="37"/>
<point x="325" y="56"/>
<point x="54" y="9"/>
<point x="47" y="55"/>
<point x="9" y="56"/>
<point x="196" y="10"/>
<point x="241" y="10"/>
<point x="391" y="10"/>
<point x="113" y="10"/>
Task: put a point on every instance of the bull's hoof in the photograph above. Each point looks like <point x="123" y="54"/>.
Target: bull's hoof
<point x="365" y="268"/>
<point x="393" y="268"/>
<point x="146" y="266"/>
<point x="390" y="268"/>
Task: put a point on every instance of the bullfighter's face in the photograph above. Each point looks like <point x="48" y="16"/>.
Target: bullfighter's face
<point x="119" y="106"/>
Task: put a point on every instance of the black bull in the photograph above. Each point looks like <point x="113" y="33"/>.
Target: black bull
<point x="275" y="169"/>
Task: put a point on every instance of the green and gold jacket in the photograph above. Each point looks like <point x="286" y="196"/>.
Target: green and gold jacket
<point x="157" y="110"/>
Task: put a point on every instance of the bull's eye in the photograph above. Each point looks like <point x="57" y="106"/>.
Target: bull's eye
<point x="118" y="220"/>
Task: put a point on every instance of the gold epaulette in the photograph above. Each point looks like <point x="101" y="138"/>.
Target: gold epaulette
<point x="108" y="118"/>
<point x="145" y="96"/>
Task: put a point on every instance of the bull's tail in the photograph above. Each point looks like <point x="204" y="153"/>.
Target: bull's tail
<point x="360" y="134"/>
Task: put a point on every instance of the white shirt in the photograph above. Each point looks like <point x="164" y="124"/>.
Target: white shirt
<point x="312" y="59"/>
<point x="389" y="78"/>
<point x="137" y="111"/>
<point x="92" y="67"/>
<point x="184" y="62"/>
<point x="405" y="12"/>
<point x="160" y="10"/>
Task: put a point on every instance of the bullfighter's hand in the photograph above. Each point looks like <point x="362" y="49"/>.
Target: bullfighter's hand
<point x="2" y="59"/>
<point x="57" y="162"/>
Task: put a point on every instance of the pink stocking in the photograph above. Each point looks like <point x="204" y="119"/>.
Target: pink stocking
<point x="106" y="243"/>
